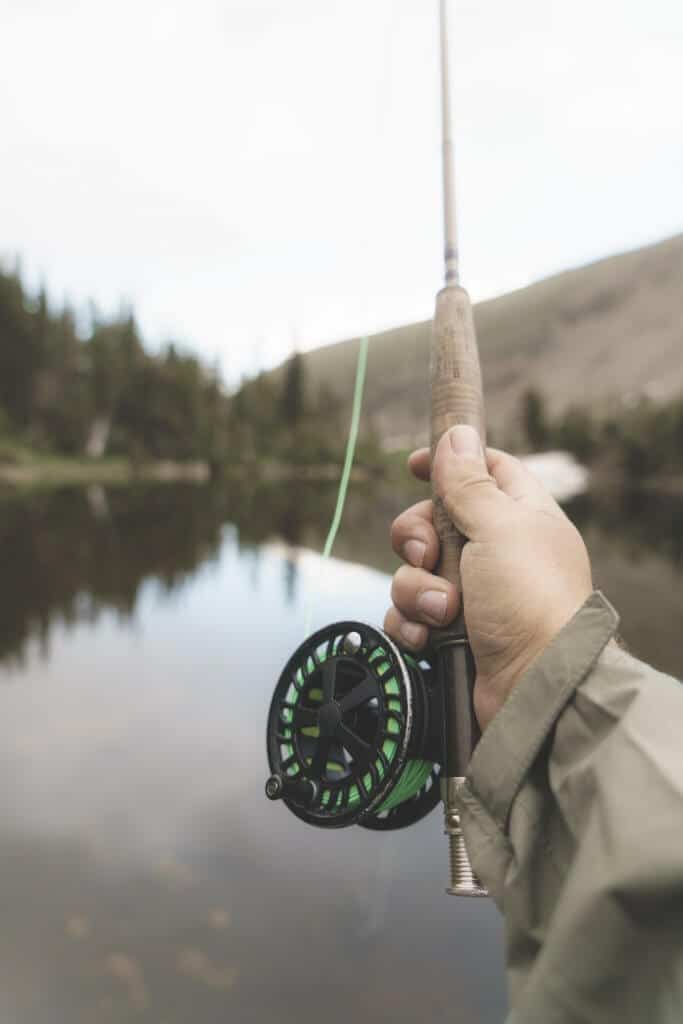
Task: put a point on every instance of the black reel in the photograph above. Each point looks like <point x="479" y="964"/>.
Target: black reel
<point x="353" y="735"/>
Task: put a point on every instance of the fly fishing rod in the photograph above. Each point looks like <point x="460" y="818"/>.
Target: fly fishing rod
<point x="359" y="731"/>
<point x="456" y="398"/>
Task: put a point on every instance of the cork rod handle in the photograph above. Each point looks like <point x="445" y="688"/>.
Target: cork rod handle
<point x="456" y="397"/>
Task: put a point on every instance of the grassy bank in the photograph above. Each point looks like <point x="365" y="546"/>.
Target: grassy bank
<point x="20" y="467"/>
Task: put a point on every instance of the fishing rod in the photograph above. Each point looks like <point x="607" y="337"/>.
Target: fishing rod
<point x="360" y="731"/>
<point x="457" y="397"/>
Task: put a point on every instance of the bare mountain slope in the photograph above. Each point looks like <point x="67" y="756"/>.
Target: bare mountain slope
<point x="598" y="336"/>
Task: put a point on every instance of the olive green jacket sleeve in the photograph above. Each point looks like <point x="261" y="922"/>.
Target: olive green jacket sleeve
<point x="573" y="817"/>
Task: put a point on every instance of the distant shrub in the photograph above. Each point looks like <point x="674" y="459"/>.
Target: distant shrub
<point x="577" y="433"/>
<point x="534" y="420"/>
<point x="641" y="440"/>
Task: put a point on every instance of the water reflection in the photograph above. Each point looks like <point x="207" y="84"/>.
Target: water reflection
<point x="635" y="542"/>
<point x="291" y="575"/>
<point x="144" y="875"/>
<point x="67" y="555"/>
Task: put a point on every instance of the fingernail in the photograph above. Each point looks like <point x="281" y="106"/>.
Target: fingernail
<point x="465" y="440"/>
<point x="414" y="552"/>
<point x="412" y="633"/>
<point x="433" y="604"/>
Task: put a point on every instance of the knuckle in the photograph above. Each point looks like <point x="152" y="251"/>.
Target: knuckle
<point x="473" y="481"/>
<point x="391" y="623"/>
<point x="397" y="530"/>
<point x="453" y="480"/>
<point x="402" y="579"/>
<point x="467" y="494"/>
<point x="404" y="589"/>
<point x="393" y="587"/>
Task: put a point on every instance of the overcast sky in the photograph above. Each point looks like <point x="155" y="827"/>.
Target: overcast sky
<point x="253" y="173"/>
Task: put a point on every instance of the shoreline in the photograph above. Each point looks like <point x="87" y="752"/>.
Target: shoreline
<point x="558" y="471"/>
<point x="63" y="472"/>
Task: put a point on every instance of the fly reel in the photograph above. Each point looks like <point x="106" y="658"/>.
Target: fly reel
<point x="353" y="736"/>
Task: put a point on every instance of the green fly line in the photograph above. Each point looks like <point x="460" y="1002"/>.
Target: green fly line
<point x="415" y="774"/>
<point x="361" y="367"/>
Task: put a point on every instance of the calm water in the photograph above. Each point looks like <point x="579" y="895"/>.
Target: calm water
<point x="144" y="876"/>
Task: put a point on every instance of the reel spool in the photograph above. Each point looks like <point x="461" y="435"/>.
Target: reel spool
<point x="352" y="734"/>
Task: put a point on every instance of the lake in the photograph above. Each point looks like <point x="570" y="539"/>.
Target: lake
<point x="144" y="875"/>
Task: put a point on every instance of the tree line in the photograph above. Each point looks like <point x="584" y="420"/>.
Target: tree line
<point x="281" y="416"/>
<point x="641" y="440"/>
<point x="101" y="392"/>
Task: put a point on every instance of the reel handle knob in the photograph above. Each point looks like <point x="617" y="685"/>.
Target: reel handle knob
<point x="300" y="791"/>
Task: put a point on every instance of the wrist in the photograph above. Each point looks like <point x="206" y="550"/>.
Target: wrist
<point x="491" y="692"/>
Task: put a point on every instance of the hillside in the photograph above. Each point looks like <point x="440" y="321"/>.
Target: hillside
<point x="601" y="335"/>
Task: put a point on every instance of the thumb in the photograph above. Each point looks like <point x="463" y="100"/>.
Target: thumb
<point x="460" y="478"/>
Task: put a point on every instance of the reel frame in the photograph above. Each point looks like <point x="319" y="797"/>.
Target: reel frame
<point x="350" y="709"/>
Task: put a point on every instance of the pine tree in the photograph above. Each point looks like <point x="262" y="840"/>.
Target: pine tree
<point x="293" y="391"/>
<point x="534" y="419"/>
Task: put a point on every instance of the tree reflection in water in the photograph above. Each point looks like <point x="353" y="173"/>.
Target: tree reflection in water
<point x="66" y="555"/>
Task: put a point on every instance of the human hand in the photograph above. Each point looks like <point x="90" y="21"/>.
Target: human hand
<point x="524" y="569"/>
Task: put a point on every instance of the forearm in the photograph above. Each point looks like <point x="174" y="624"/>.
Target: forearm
<point x="572" y="813"/>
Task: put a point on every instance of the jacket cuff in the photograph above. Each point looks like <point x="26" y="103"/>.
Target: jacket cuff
<point x="517" y="732"/>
